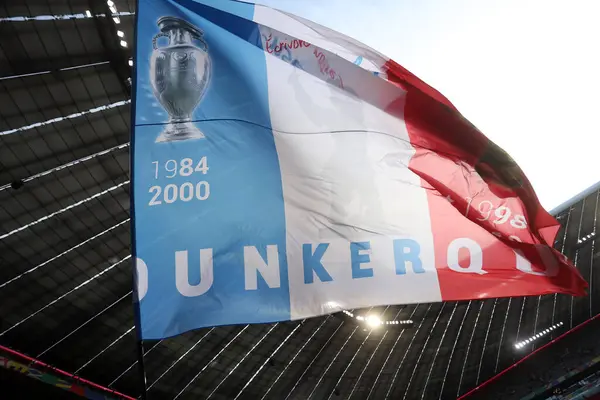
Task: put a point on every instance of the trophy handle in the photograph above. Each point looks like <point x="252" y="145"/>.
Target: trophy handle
<point x="155" y="38"/>
<point x="202" y="41"/>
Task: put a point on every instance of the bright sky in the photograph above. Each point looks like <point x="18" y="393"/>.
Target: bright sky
<point x="525" y="72"/>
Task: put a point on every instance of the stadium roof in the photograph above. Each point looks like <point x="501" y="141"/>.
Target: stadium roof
<point x="65" y="280"/>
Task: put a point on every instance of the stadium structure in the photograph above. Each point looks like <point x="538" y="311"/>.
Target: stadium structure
<point x="66" y="315"/>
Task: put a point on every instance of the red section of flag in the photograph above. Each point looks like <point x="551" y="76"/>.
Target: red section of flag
<point x="484" y="211"/>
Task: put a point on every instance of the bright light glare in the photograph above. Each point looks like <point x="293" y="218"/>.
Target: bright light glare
<point x="120" y="34"/>
<point x="123" y="43"/>
<point x="373" y="321"/>
<point x="88" y="13"/>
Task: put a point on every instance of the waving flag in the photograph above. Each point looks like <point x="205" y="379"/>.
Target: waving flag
<point x="283" y="170"/>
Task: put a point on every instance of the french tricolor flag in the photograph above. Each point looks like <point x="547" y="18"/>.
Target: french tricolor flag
<point x="282" y="170"/>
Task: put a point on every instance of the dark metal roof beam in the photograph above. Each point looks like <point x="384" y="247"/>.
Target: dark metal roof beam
<point x="211" y="361"/>
<point x="314" y="359"/>
<point x="55" y="71"/>
<point x="43" y="264"/>
<point x="437" y="351"/>
<point x="268" y="359"/>
<point x="91" y="360"/>
<point x="418" y="362"/>
<point x="85" y="324"/>
<point x="337" y="354"/>
<point x="24" y="67"/>
<point x="242" y="360"/>
<point x="339" y="380"/>
<point x="65" y="295"/>
<point x="454" y="348"/>
<point x="502" y="335"/>
<point x="62" y="210"/>
<point x="399" y="368"/>
<point x="295" y="356"/>
<point x="462" y="371"/>
<point x="183" y="356"/>
<point x="134" y="363"/>
<point x="66" y="165"/>
<point x="362" y="372"/>
<point x="63" y="118"/>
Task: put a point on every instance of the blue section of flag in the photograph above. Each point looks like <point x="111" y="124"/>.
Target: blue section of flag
<point x="229" y="196"/>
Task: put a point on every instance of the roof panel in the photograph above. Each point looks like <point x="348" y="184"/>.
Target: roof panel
<point x="53" y="145"/>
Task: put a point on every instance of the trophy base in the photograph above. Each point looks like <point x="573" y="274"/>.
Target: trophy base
<point x="180" y="131"/>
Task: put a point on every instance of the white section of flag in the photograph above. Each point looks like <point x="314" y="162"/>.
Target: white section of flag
<point x="345" y="177"/>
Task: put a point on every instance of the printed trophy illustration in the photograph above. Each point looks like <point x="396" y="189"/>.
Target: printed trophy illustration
<point x="180" y="73"/>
